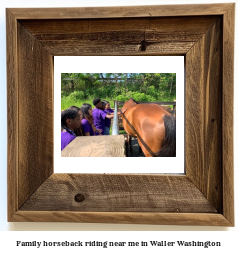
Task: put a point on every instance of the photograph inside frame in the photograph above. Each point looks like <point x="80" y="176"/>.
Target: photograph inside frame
<point x="118" y="114"/>
<point x="86" y="85"/>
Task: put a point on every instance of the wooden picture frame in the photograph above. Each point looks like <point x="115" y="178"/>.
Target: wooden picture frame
<point x="204" y="34"/>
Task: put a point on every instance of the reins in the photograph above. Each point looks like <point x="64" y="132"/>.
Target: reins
<point x="138" y="136"/>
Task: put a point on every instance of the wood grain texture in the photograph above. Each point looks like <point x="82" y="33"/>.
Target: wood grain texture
<point x="121" y="12"/>
<point x="36" y="114"/>
<point x="33" y="38"/>
<point x="71" y="48"/>
<point x="191" y="219"/>
<point x="119" y="36"/>
<point x="12" y="117"/>
<point x="104" y="193"/>
<point x="204" y="115"/>
<point x="189" y="26"/>
<point x="74" y="49"/>
<point x="227" y="113"/>
<point x="95" y="146"/>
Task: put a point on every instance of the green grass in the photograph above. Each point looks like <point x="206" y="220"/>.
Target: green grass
<point x="67" y="102"/>
<point x="121" y="132"/>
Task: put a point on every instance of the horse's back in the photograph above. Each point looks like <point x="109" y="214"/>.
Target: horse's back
<point x="148" y="123"/>
<point x="147" y="120"/>
<point x="152" y="112"/>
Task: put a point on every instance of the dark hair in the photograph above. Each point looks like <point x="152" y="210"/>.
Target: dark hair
<point x="78" y="131"/>
<point x="67" y="114"/>
<point x="84" y="109"/>
<point x="135" y="101"/>
<point x="96" y="101"/>
<point x="105" y="102"/>
<point x="75" y="108"/>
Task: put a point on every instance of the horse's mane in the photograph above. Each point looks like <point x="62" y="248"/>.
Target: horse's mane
<point x="135" y="101"/>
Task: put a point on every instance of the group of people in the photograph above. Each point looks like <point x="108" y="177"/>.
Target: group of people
<point x="85" y="121"/>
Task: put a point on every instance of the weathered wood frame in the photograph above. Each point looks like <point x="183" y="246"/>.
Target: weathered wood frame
<point x="204" y="34"/>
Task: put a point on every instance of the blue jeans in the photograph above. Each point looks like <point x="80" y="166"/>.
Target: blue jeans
<point x="106" y="131"/>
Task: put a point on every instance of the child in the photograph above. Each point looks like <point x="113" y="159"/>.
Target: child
<point x="109" y="111"/>
<point x="79" y="131"/>
<point x="87" y="121"/>
<point x="100" y="115"/>
<point x="70" y="120"/>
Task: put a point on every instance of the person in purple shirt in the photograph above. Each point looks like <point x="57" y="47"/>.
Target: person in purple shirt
<point x="100" y="115"/>
<point x="79" y="131"/>
<point x="109" y="111"/>
<point x="87" y="121"/>
<point x="70" y="120"/>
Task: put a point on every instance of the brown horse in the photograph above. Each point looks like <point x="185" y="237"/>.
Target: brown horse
<point x="153" y="126"/>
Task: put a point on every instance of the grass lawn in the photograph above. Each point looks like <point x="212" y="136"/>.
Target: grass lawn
<point x="67" y="102"/>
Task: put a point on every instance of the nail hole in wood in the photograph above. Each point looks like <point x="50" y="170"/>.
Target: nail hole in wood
<point x="79" y="198"/>
<point x="213" y="120"/>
